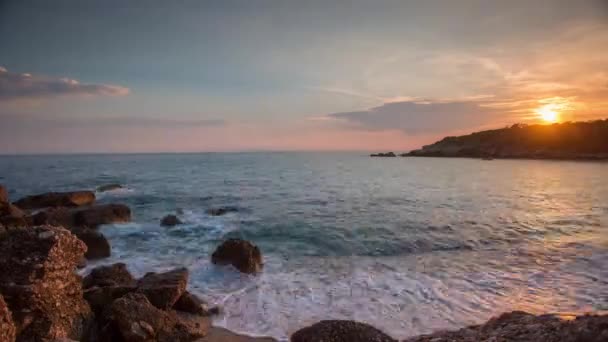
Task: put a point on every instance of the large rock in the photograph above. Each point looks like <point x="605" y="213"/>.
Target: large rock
<point x="340" y="331"/>
<point x="164" y="289"/>
<point x="56" y="199"/>
<point x="3" y="194"/>
<point x="170" y="221"/>
<point x="243" y="255"/>
<point x="39" y="285"/>
<point x="7" y="327"/>
<point x="137" y="320"/>
<point x="13" y="217"/>
<point x="521" y="326"/>
<point x="190" y="303"/>
<point x="90" y="217"/>
<point x="98" y="246"/>
<point x="100" y="298"/>
<point x="110" y="275"/>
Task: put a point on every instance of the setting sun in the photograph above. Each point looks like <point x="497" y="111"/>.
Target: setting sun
<point x="548" y="112"/>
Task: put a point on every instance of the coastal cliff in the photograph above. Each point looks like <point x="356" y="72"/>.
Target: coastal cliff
<point x="569" y="140"/>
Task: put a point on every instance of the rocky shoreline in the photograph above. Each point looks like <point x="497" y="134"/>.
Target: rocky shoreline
<point x="44" y="239"/>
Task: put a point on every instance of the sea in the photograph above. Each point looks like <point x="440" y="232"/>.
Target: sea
<point x="408" y="245"/>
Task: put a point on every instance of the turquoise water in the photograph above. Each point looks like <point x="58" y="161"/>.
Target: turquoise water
<point x="409" y="245"/>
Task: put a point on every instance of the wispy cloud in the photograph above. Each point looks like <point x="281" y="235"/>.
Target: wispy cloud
<point x="27" y="86"/>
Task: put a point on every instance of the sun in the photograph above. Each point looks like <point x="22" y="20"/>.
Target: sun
<point x="549" y="113"/>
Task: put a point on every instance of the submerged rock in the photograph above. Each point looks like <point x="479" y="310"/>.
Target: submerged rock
<point x="109" y="187"/>
<point x="98" y="246"/>
<point x="340" y="331"/>
<point x="110" y="275"/>
<point x="56" y="199"/>
<point x="39" y="285"/>
<point x="522" y="326"/>
<point x="164" y="289"/>
<point x="243" y="255"/>
<point x="221" y="211"/>
<point x="7" y="326"/>
<point x="170" y="221"/>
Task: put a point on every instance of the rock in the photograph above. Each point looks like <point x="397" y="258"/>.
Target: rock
<point x="98" y="246"/>
<point x="109" y="187"/>
<point x="221" y="211"/>
<point x="7" y="327"/>
<point x="12" y="217"/>
<point x="164" y="289"/>
<point x="97" y="215"/>
<point x="39" y="285"/>
<point x="191" y="304"/>
<point x="110" y="275"/>
<point x="99" y="298"/>
<point x="60" y="216"/>
<point x="387" y="154"/>
<point x="3" y="194"/>
<point x="243" y="255"/>
<point x="340" y="331"/>
<point x="56" y="199"/>
<point x="170" y="221"/>
<point x="522" y="326"/>
<point x="137" y="320"/>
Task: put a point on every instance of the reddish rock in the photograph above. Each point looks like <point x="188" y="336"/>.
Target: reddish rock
<point x="243" y="255"/>
<point x="99" y="298"/>
<point x="60" y="216"/>
<point x="39" y="285"/>
<point x="7" y="327"/>
<point x="102" y="214"/>
<point x="340" y="331"/>
<point x="12" y="217"/>
<point x="98" y="246"/>
<point x="110" y="275"/>
<point x="191" y="304"/>
<point x="57" y="199"/>
<point x="164" y="289"/>
<point x="3" y="194"/>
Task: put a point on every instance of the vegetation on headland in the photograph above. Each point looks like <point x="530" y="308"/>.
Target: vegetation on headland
<point x="568" y="140"/>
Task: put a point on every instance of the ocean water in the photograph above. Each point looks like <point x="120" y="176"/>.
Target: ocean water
<point x="408" y="245"/>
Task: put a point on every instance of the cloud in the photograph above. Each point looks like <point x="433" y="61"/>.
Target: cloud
<point x="26" y="86"/>
<point x="420" y="117"/>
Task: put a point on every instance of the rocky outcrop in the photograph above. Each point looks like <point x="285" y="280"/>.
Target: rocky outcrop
<point x="170" y="221"/>
<point x="164" y="289"/>
<point x="387" y="154"/>
<point x="222" y="211"/>
<point x="110" y="275"/>
<point x="56" y="199"/>
<point x="90" y="216"/>
<point x="7" y="327"/>
<point x="522" y="326"/>
<point x="109" y="187"/>
<point x="243" y="255"/>
<point x="98" y="246"/>
<point x="39" y="285"/>
<point x="3" y="194"/>
<point x="340" y="331"/>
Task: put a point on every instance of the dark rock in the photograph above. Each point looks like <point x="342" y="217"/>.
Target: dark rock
<point x="39" y="285"/>
<point x="387" y="154"/>
<point x="243" y="255"/>
<point x="98" y="246"/>
<point x="521" y="326"/>
<point x="222" y="211"/>
<point x="3" y="194"/>
<point x="340" y="331"/>
<point x="102" y="214"/>
<point x="60" y="216"/>
<point x="137" y="320"/>
<point x="100" y="298"/>
<point x="56" y="199"/>
<point x="110" y="275"/>
<point x="170" y="221"/>
<point x="109" y="187"/>
<point x="191" y="304"/>
<point x="7" y="326"/>
<point x="164" y="289"/>
<point x="13" y="217"/>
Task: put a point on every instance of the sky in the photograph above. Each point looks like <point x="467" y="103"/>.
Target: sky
<point x="124" y="76"/>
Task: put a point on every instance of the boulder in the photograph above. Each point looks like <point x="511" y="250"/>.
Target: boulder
<point x="3" y="194"/>
<point x="97" y="215"/>
<point x="243" y="255"/>
<point x="59" y="216"/>
<point x="340" y="331"/>
<point x="170" y="221"/>
<point x="110" y="275"/>
<point x="164" y="289"/>
<point x="56" y="199"/>
<point x="13" y="217"/>
<point x="98" y="246"/>
<point x="191" y="304"/>
<point x="137" y="320"/>
<point x="221" y="211"/>
<point x="101" y="297"/>
<point x="7" y="327"/>
<point x="39" y="285"/>
<point x="109" y="187"/>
